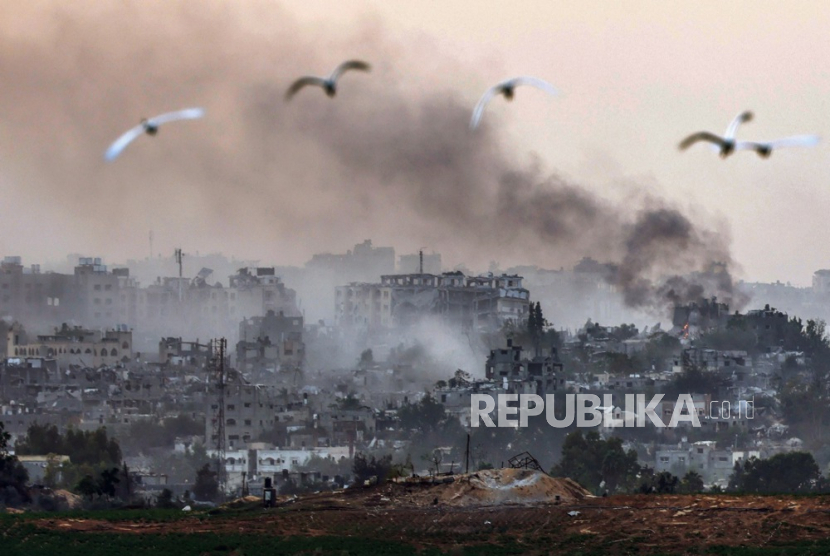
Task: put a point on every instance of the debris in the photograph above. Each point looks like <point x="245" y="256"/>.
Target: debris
<point x="573" y="513"/>
<point x="493" y="487"/>
<point x="525" y="461"/>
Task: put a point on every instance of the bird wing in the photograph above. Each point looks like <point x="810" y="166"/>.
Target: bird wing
<point x="741" y="118"/>
<point x="534" y="82"/>
<point x="478" y="111"/>
<point x="186" y="114"/>
<point x="701" y="136"/>
<point x="302" y="82"/>
<point x="795" y="141"/>
<point x="115" y="149"/>
<point x="751" y="146"/>
<point x="349" y="65"/>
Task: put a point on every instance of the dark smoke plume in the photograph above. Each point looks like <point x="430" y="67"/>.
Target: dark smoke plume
<point x="389" y="158"/>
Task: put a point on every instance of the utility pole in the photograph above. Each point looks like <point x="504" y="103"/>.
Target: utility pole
<point x="218" y="367"/>
<point x="467" y="456"/>
<point x="179" y="255"/>
<point x="421" y="261"/>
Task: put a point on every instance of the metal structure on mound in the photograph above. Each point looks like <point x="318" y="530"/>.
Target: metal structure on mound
<point x="525" y="461"/>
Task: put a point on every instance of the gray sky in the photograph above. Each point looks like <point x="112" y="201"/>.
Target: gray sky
<point x="636" y="78"/>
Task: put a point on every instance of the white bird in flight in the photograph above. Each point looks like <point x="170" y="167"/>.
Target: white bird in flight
<point x="329" y="84"/>
<point x="725" y="145"/>
<point x="765" y="148"/>
<point x="508" y="89"/>
<point x="150" y="126"/>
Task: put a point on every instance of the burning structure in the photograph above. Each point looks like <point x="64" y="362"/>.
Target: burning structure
<point x="688" y="320"/>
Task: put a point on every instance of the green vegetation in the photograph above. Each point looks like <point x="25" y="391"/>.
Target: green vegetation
<point x="20" y="537"/>
<point x="206" y="487"/>
<point x="13" y="476"/>
<point x="794" y="472"/>
<point x="82" y="447"/>
<point x="148" y="434"/>
<point x="426" y="416"/>
<point x="598" y="464"/>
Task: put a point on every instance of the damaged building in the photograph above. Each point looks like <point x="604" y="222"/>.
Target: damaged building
<point x="540" y="374"/>
<point x="273" y="342"/>
<point x="483" y="303"/>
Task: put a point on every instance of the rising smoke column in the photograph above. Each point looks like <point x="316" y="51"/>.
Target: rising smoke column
<point x="390" y="158"/>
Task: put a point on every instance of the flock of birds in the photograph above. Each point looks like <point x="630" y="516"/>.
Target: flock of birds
<point x="725" y="144"/>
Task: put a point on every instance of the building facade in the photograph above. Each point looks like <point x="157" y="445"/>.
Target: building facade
<point x="464" y="302"/>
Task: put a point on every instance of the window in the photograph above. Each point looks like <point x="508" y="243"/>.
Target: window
<point x="231" y="407"/>
<point x="664" y="459"/>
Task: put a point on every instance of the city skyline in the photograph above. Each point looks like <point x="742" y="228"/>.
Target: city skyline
<point x="634" y="82"/>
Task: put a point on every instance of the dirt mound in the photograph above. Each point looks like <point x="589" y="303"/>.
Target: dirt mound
<point x="506" y="486"/>
<point x="244" y="502"/>
<point x="73" y="501"/>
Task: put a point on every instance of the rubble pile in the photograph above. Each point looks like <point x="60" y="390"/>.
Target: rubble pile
<point x="495" y="487"/>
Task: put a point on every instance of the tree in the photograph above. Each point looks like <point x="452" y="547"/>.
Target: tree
<point x="425" y="416"/>
<point x="692" y="380"/>
<point x="13" y="476"/>
<point x="536" y="324"/>
<point x="82" y="447"/>
<point x="782" y="473"/>
<point x="691" y="483"/>
<point x="666" y="483"/>
<point x="107" y="481"/>
<point x="434" y="459"/>
<point x="591" y="461"/>
<point x="206" y="486"/>
<point x="53" y="469"/>
<point x="87" y="487"/>
<point x="165" y="500"/>
<point x="364" y="468"/>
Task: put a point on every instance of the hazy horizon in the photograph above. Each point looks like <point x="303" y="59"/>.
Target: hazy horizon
<point x="263" y="179"/>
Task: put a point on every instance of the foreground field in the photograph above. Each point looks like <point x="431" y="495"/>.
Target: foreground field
<point x="392" y="520"/>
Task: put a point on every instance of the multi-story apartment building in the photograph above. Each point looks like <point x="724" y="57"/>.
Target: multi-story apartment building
<point x="72" y="345"/>
<point x="101" y="298"/>
<point x="465" y="302"/>
<point x="273" y="342"/>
